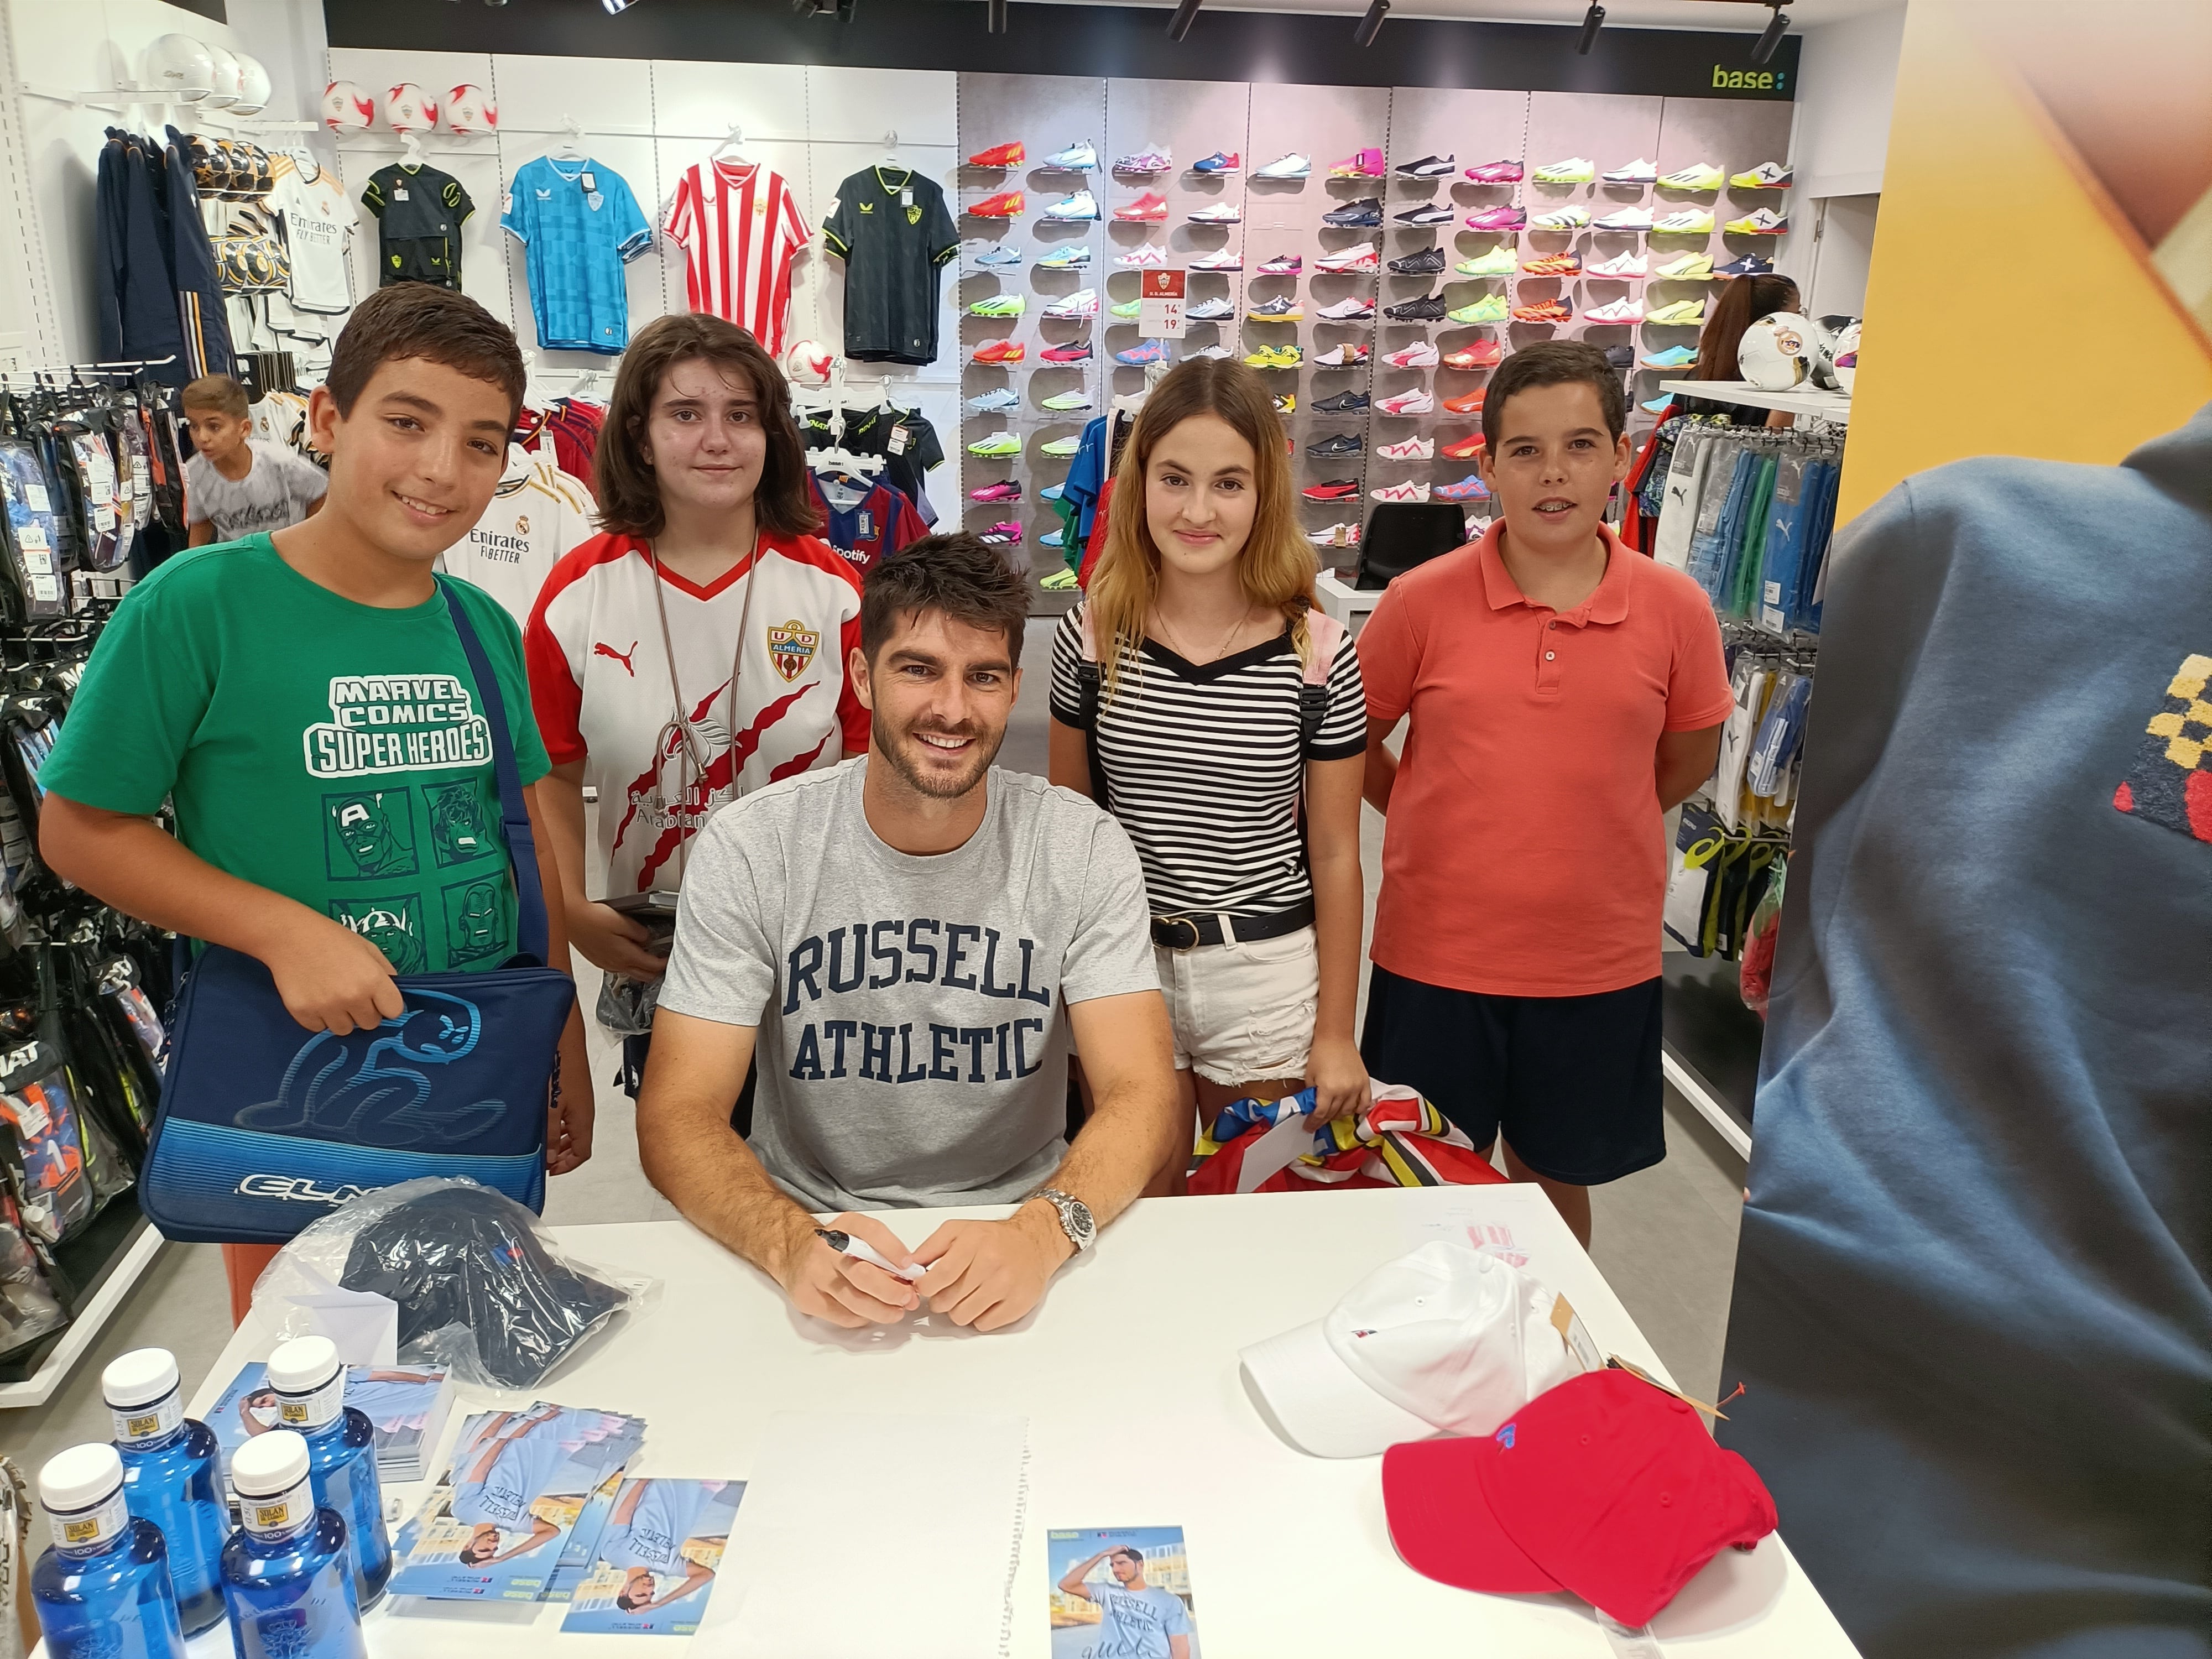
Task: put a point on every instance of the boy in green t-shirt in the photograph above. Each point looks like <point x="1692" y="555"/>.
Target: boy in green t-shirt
<point x="305" y="702"/>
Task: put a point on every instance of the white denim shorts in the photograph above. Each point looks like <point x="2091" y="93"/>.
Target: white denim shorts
<point x="1242" y="1012"/>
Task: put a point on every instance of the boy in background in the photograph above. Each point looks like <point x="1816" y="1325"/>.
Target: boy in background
<point x="1564" y="693"/>
<point x="235" y="484"/>
<point x="233" y="680"/>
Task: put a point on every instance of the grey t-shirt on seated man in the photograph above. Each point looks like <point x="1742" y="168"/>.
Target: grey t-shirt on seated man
<point x="911" y="1011"/>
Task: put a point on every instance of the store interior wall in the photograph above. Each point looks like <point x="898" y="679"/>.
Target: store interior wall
<point x="1839" y="140"/>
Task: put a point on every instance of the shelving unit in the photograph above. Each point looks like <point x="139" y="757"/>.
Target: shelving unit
<point x="103" y="1263"/>
<point x="1711" y="1045"/>
<point x="1827" y="405"/>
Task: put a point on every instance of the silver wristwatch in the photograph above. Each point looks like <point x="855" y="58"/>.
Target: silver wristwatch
<point x="1074" y="1217"/>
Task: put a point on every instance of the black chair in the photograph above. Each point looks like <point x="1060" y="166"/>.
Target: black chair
<point x="1402" y="534"/>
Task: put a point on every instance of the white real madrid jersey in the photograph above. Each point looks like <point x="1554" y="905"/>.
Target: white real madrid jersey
<point x="537" y="514"/>
<point x="319" y="219"/>
<point x="600" y="682"/>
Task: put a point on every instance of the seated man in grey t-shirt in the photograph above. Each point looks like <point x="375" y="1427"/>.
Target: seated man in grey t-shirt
<point x="908" y="945"/>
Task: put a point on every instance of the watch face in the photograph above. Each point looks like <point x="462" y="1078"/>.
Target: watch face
<point x="1080" y="1226"/>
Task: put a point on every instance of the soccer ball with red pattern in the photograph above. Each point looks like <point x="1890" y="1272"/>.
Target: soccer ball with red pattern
<point x="808" y="363"/>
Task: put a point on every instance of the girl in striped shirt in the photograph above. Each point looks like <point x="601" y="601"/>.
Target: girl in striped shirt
<point x="1181" y="704"/>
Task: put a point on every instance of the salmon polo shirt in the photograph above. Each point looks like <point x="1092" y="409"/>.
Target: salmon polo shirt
<point x="1524" y="853"/>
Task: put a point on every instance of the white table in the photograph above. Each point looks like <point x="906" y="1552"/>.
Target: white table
<point x="1137" y="1417"/>
<point x="1340" y="599"/>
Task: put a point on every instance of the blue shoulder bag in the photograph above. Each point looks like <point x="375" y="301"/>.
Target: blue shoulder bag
<point x="265" y="1126"/>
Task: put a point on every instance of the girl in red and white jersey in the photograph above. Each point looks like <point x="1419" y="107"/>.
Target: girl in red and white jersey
<point x="696" y="649"/>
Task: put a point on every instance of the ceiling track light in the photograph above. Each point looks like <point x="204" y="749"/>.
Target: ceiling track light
<point x="994" y="22"/>
<point x="1370" y="25"/>
<point x="840" y="9"/>
<point x="1186" y="13"/>
<point x="1770" y="37"/>
<point x="616" y="8"/>
<point x="1593" y="21"/>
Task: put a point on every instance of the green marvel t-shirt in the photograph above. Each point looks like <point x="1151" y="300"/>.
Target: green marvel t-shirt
<point x="337" y="753"/>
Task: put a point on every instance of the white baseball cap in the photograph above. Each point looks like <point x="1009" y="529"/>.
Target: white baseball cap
<point x="470" y="111"/>
<point x="409" y="109"/>
<point x="1445" y="1340"/>
<point x="346" y="107"/>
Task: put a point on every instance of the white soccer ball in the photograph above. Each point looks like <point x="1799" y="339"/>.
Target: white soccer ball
<point x="409" y="109"/>
<point x="808" y="363"/>
<point x="223" y="82"/>
<point x="1841" y="359"/>
<point x="1776" y="353"/>
<point x="180" y="67"/>
<point x="252" y="86"/>
<point x="1829" y="334"/>
<point x="470" y="112"/>
<point x="346" y="107"/>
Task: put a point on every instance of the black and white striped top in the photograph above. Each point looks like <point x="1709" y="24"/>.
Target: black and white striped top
<point x="1202" y="766"/>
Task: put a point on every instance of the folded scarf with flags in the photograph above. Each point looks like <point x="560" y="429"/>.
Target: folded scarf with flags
<point x="1399" y="1140"/>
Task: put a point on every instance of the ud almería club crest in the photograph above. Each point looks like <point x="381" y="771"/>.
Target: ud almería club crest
<point x="791" y="647"/>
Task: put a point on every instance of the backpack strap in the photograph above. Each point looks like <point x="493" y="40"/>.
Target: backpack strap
<point x="1088" y="690"/>
<point x="1324" y="635"/>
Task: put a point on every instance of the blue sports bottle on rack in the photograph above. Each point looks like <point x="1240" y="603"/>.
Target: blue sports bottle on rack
<point x="310" y="1387"/>
<point x="287" y="1571"/>
<point x="172" y="1476"/>
<point x="102" y="1590"/>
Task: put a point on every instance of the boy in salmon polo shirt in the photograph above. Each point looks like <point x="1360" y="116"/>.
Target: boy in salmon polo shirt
<point x="1564" y="693"/>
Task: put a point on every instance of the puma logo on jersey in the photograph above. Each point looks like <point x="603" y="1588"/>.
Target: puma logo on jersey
<point x="622" y="657"/>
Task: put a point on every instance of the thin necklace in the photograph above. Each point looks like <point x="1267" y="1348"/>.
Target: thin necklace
<point x="1176" y="640"/>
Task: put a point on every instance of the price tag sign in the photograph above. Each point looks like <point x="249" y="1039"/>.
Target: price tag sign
<point x="1159" y="306"/>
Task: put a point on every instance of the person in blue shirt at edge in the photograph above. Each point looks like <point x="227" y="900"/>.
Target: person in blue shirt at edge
<point x="909" y="940"/>
<point x="341" y="871"/>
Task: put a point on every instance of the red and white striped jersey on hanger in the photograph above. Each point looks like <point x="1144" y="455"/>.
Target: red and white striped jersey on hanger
<point x="740" y="226"/>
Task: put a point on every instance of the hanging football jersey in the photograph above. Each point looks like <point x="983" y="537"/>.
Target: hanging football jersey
<point x="319" y="220"/>
<point x="579" y="225"/>
<point x="419" y="212"/>
<point x="537" y="514"/>
<point x="740" y="227"/>
<point x="890" y="227"/>
<point x="865" y="521"/>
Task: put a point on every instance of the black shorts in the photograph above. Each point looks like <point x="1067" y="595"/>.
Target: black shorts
<point x="1573" y="1083"/>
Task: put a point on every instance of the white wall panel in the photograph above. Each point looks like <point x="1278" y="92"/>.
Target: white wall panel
<point x="768" y="100"/>
<point x="859" y="105"/>
<point x="537" y="96"/>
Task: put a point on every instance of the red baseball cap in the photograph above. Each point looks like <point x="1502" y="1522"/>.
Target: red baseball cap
<point x="1605" y="1486"/>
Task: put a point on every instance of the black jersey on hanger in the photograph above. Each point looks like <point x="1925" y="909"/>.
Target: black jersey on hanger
<point x="419" y="214"/>
<point x="890" y="227"/>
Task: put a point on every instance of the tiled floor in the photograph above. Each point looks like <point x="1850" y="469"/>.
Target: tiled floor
<point x="1665" y="1238"/>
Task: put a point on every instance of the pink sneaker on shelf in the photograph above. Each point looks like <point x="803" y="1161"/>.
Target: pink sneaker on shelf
<point x="1364" y="164"/>
<point x="1006" y="490"/>
<point x="1495" y="173"/>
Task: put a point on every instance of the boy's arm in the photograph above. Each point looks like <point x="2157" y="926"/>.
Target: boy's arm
<point x="1686" y="760"/>
<point x="330" y="977"/>
<point x="1388" y="654"/>
<point x="571" y="1112"/>
<point x="605" y="937"/>
<point x="202" y="533"/>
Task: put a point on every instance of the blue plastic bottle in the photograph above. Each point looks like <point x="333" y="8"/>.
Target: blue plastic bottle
<point x="102" y="1591"/>
<point x="171" y="1471"/>
<point x="310" y="1387"/>
<point x="287" y="1573"/>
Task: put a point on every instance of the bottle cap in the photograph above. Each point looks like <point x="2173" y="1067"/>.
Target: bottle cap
<point x="266" y="1464"/>
<point x="303" y="1365"/>
<point x="78" y="1479"/>
<point x="139" y="1378"/>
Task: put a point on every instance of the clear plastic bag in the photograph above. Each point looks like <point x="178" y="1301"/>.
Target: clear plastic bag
<point x="29" y="1307"/>
<point x="481" y="1288"/>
